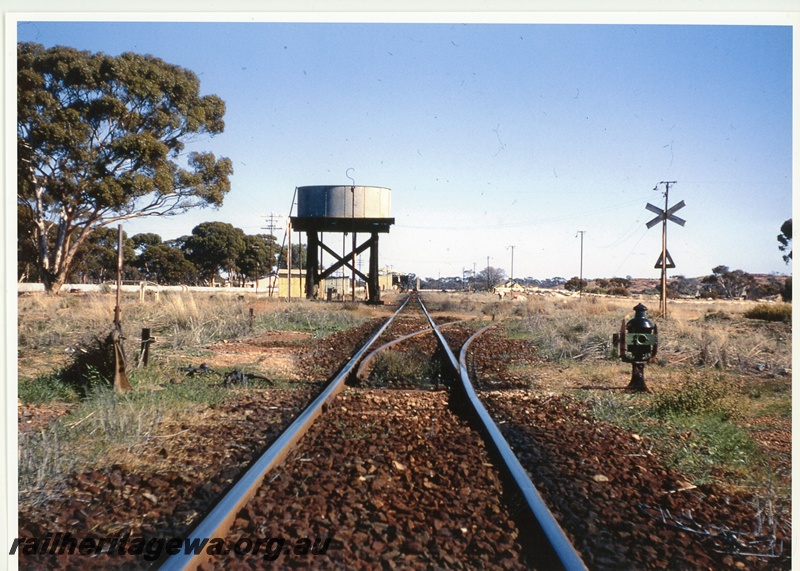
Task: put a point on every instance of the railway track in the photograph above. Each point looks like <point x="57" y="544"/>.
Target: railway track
<point x="383" y="474"/>
<point x="398" y="472"/>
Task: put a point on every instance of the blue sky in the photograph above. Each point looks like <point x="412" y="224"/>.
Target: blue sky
<point x="497" y="135"/>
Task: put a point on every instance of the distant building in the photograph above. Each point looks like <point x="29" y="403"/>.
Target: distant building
<point x="334" y="288"/>
<point x="510" y="287"/>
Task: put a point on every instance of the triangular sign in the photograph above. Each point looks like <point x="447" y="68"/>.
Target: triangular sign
<point x="660" y="261"/>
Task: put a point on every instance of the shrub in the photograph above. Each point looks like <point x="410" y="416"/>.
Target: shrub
<point x="393" y="366"/>
<point x="695" y="397"/>
<point x="620" y="291"/>
<point x="771" y="312"/>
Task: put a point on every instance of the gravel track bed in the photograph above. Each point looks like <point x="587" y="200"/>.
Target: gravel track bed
<point x="177" y="485"/>
<point x="396" y="480"/>
<point x="423" y="348"/>
<point x="622" y="508"/>
<point x="620" y="505"/>
<point x="404" y="482"/>
<point x="182" y="470"/>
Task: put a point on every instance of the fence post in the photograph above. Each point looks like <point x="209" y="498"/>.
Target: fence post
<point x="145" y="350"/>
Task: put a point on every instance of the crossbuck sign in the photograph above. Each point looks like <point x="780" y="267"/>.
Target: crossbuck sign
<point x="665" y="214"/>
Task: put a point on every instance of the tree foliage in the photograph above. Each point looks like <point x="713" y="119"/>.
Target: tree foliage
<point x="299" y="256"/>
<point x="727" y="283"/>
<point x="575" y="284"/>
<point x="784" y="238"/>
<point x="101" y="139"/>
<point x="161" y="262"/>
<point x="259" y="256"/>
<point x="214" y="247"/>
<point x="96" y="259"/>
<point x="681" y="286"/>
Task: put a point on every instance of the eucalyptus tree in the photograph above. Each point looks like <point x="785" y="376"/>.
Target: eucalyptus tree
<point x="784" y="238"/>
<point x="491" y="277"/>
<point x="101" y="139"/>
<point x="167" y="265"/>
<point x="215" y="247"/>
<point x="727" y="283"/>
<point x="259" y="255"/>
<point x="96" y="260"/>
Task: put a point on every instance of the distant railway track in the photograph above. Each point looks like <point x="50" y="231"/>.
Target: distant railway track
<point x="396" y="477"/>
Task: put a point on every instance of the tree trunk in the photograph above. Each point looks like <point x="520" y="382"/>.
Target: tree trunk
<point x="53" y="281"/>
<point x="55" y="276"/>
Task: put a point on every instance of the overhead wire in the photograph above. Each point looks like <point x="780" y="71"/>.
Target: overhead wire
<point x="523" y="224"/>
<point x="628" y="255"/>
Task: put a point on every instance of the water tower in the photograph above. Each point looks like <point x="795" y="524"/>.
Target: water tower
<point x="342" y="209"/>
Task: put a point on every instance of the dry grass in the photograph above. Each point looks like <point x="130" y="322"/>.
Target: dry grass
<point x="55" y="330"/>
<point x="717" y="374"/>
<point x="51" y="327"/>
<point x="105" y="425"/>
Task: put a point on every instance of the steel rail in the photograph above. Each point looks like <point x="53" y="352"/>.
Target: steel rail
<point x="219" y="520"/>
<point x="563" y="550"/>
<point x="541" y="522"/>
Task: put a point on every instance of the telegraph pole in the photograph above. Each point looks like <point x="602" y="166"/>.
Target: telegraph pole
<point x="580" y="282"/>
<point x="664" y="250"/>
<point x="665" y="261"/>
<point x="271" y="226"/>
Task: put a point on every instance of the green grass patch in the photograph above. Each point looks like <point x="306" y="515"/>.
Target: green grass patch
<point x="48" y="388"/>
<point x="713" y="446"/>
<point x="318" y="320"/>
<point x="781" y="409"/>
<point x="703" y="396"/>
<point x="105" y="423"/>
<point x="695" y="428"/>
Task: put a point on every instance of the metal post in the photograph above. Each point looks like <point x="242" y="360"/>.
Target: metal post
<point x="353" y="273"/>
<point x="353" y="269"/>
<point x="664" y="254"/>
<point x="121" y="383"/>
<point x="312" y="264"/>
<point x="374" y="288"/>
<point x="289" y="260"/>
<point x="667" y="214"/>
<point x="117" y="321"/>
<point x="144" y="354"/>
<point x="580" y="279"/>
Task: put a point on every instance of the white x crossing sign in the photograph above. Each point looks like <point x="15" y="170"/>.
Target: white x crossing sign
<point x="665" y="214"/>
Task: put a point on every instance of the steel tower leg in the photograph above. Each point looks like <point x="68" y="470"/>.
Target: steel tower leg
<point x="312" y="265"/>
<point x="372" y="284"/>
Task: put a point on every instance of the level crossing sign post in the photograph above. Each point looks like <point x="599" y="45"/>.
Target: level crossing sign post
<point x="664" y="214"/>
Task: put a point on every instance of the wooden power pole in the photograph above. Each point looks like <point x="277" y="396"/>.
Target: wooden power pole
<point x="665" y="260"/>
<point x="580" y="279"/>
<point x="121" y="382"/>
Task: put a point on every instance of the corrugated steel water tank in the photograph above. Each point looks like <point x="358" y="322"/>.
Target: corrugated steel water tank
<point x="343" y="202"/>
<point x="347" y="209"/>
